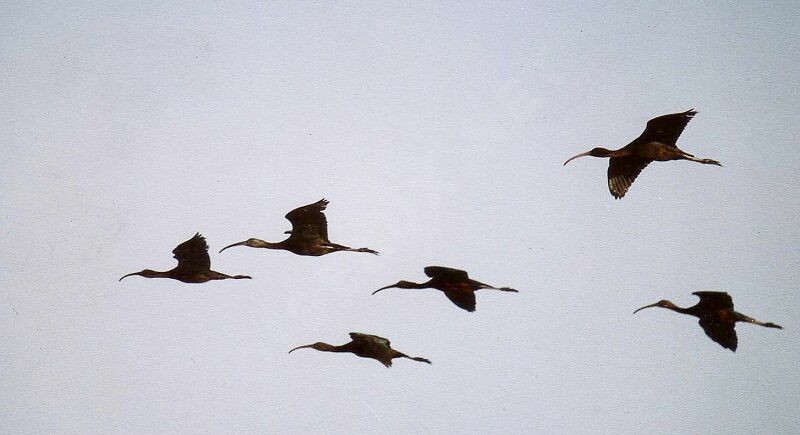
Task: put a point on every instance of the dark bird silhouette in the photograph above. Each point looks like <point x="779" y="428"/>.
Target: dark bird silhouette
<point x="454" y="283"/>
<point x="717" y="316"/>
<point x="194" y="265"/>
<point x="365" y="346"/>
<point x="309" y="234"/>
<point x="656" y="143"/>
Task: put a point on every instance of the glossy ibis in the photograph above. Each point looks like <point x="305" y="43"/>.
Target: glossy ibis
<point x="454" y="283"/>
<point x="656" y="143"/>
<point x="309" y="234"/>
<point x="365" y="346"/>
<point x="717" y="316"/>
<point x="194" y="265"/>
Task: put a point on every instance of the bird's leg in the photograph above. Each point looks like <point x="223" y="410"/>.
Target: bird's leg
<point x="415" y="358"/>
<point x="502" y="289"/>
<point x="688" y="156"/>
<point x="339" y="247"/>
<point x="748" y="319"/>
<point x="218" y="275"/>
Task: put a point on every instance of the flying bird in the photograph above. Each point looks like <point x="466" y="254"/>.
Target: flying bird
<point x="194" y="265"/>
<point x="454" y="283"/>
<point x="309" y="234"/>
<point x="365" y="346"/>
<point x="717" y="317"/>
<point x="656" y="143"/>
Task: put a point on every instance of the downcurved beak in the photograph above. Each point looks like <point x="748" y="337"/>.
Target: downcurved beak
<point x="130" y="274"/>
<point x="646" y="306"/>
<point x="575" y="157"/>
<point x="235" y="244"/>
<point x="383" y="288"/>
<point x="301" y="347"/>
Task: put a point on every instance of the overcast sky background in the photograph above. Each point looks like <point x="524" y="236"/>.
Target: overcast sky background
<point x="438" y="133"/>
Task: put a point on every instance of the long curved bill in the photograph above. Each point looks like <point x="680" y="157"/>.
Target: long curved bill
<point x="301" y="347"/>
<point x="383" y="288"/>
<point x="231" y="246"/>
<point x="646" y="306"/>
<point x="575" y="157"/>
<point x="130" y="274"/>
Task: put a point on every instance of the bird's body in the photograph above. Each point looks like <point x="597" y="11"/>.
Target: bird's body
<point x="656" y="143"/>
<point x="454" y="283"/>
<point x="309" y="234"/>
<point x="194" y="264"/>
<point x="365" y="346"/>
<point x="717" y="317"/>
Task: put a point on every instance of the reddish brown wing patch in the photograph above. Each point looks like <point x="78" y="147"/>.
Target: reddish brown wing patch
<point x="721" y="332"/>
<point x="464" y="299"/>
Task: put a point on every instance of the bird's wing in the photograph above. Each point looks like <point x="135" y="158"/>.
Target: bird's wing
<point x="464" y="299"/>
<point x="192" y="255"/>
<point x="713" y="301"/>
<point x="446" y="273"/>
<point x="666" y="128"/>
<point x="309" y="222"/>
<point x="721" y="332"/>
<point x="357" y="336"/>
<point x="622" y="171"/>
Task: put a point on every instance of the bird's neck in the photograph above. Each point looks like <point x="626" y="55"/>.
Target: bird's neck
<point x="271" y="245"/>
<point x="681" y="310"/>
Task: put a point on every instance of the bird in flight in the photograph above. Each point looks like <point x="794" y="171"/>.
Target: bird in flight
<point x="194" y="264"/>
<point x="365" y="346"/>
<point x="656" y="143"/>
<point x="454" y="283"/>
<point x="717" y="317"/>
<point x="308" y="236"/>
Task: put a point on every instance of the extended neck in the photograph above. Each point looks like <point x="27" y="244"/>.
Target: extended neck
<point x="258" y="243"/>
<point x="147" y="273"/>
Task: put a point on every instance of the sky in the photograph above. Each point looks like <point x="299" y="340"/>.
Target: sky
<point x="438" y="131"/>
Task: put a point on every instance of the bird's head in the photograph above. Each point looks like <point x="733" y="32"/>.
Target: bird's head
<point x="662" y="303"/>
<point x="253" y="243"/>
<point x="594" y="152"/>
<point x="399" y="284"/>
<point x="318" y="346"/>
<point x="147" y="273"/>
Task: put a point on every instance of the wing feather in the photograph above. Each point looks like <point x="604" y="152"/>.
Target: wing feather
<point x="622" y="172"/>
<point x="464" y="299"/>
<point x="308" y="221"/>
<point x="192" y="255"/>
<point x="666" y="128"/>
<point x="446" y="273"/>
<point x="723" y="333"/>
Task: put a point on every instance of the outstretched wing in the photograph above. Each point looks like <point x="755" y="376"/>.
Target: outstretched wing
<point x="357" y="336"/>
<point x="308" y="221"/>
<point x="192" y="255"/>
<point x="666" y="128"/>
<point x="464" y="299"/>
<point x="622" y="171"/>
<point x="446" y="273"/>
<point x="714" y="301"/>
<point x="721" y="332"/>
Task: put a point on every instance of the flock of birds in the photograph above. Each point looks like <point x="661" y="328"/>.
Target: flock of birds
<point x="309" y="236"/>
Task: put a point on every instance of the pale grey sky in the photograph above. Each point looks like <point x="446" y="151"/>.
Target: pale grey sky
<point x="438" y="133"/>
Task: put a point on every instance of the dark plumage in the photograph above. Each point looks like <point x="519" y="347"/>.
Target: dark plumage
<point x="454" y="283"/>
<point x="656" y="143"/>
<point x="365" y="346"/>
<point x="717" y="317"/>
<point x="194" y="264"/>
<point x="309" y="234"/>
